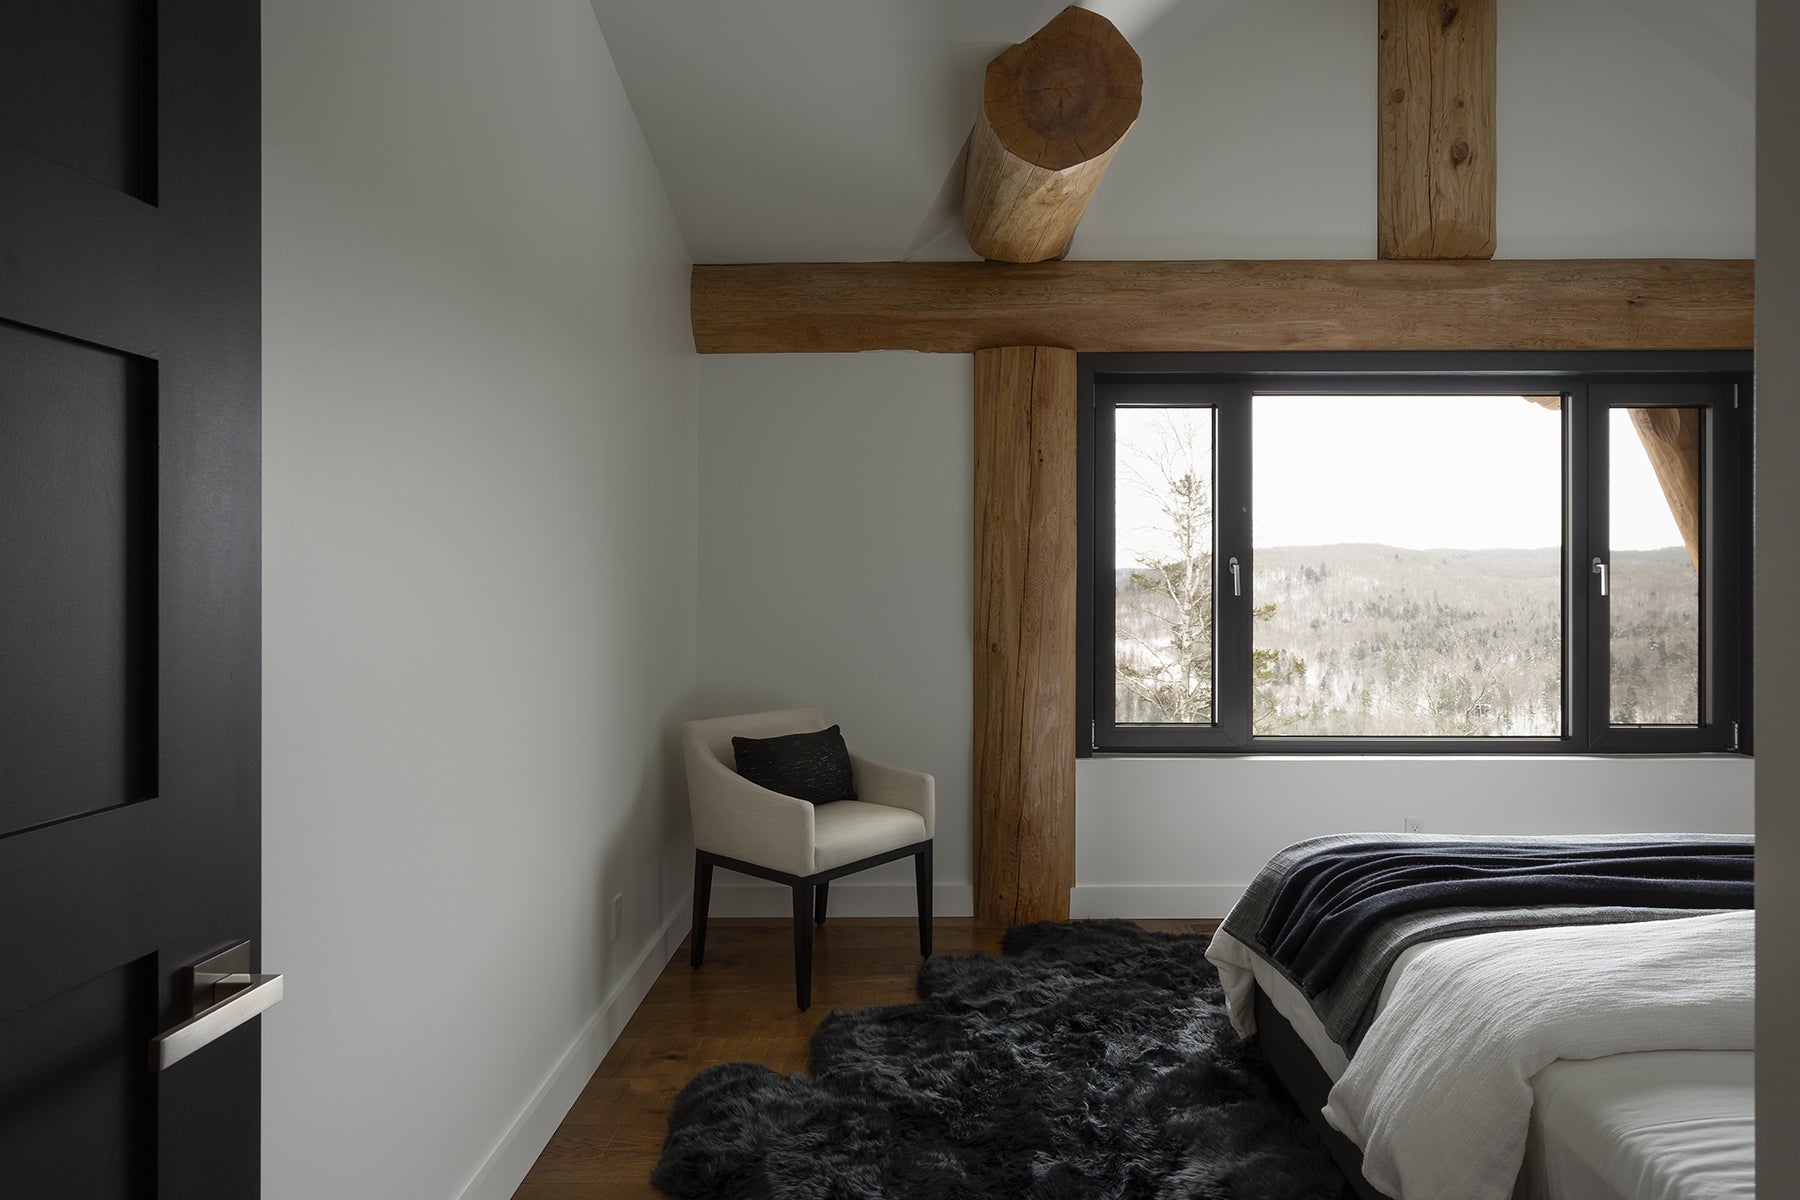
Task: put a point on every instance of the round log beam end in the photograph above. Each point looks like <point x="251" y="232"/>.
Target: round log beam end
<point x="1054" y="108"/>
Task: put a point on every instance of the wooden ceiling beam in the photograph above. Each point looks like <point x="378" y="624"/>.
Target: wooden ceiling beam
<point x="1671" y="440"/>
<point x="1503" y="304"/>
<point x="1435" y="171"/>
<point x="1053" y="110"/>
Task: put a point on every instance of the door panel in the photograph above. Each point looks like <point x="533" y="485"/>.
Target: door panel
<point x="81" y="900"/>
<point x="78" y="494"/>
<point x="77" y="84"/>
<point x="76" y="1104"/>
<point x="129" y="631"/>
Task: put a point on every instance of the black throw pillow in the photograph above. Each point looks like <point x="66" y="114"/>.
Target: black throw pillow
<point x="808" y="766"/>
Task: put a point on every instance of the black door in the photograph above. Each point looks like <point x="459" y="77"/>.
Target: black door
<point x="129" y="572"/>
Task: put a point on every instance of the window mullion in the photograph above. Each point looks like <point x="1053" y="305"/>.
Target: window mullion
<point x="1105" y="593"/>
<point x="1584" y="653"/>
<point x="1232" y="623"/>
<point x="1725" y="605"/>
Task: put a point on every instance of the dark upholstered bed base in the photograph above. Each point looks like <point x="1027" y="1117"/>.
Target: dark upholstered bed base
<point x="1308" y="1084"/>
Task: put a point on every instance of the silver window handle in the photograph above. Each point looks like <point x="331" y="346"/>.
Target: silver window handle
<point x="1237" y="584"/>
<point x="1600" y="570"/>
<point x="225" y="995"/>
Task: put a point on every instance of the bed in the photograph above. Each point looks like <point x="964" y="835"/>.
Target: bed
<point x="1482" y="1018"/>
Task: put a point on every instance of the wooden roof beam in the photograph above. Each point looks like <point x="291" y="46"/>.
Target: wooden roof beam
<point x="1053" y="110"/>
<point x="1671" y="440"/>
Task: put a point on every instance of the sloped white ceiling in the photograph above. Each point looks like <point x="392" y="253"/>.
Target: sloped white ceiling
<point x="830" y="130"/>
<point x="1621" y="131"/>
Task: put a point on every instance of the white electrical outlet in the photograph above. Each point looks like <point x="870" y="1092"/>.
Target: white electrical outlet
<point x="1412" y="824"/>
<point x="618" y="907"/>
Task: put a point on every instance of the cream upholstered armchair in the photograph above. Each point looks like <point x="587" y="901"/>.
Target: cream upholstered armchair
<point x="749" y="829"/>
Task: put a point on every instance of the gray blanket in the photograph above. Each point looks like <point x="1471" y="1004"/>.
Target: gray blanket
<point x="1347" y="1007"/>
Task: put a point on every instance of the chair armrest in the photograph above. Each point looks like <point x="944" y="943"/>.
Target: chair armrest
<point x="736" y="818"/>
<point x="896" y="787"/>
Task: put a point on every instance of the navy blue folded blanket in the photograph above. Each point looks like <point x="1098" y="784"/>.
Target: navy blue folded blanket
<point x="1326" y="905"/>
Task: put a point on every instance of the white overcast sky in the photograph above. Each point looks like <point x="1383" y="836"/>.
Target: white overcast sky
<point x="1420" y="472"/>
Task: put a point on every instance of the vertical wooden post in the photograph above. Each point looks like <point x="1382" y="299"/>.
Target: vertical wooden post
<point x="1435" y="174"/>
<point x="1024" y="634"/>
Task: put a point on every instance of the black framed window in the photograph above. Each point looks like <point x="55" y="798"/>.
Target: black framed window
<point x="1464" y="553"/>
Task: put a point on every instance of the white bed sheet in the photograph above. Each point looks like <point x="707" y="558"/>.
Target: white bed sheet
<point x="1241" y="967"/>
<point x="1653" y="1125"/>
<point x="1658" y="1125"/>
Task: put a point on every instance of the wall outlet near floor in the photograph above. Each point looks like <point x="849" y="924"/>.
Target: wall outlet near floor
<point x="1412" y="824"/>
<point x="618" y="915"/>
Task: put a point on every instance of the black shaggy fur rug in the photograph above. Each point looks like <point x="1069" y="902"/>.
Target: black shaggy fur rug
<point x="1092" y="1061"/>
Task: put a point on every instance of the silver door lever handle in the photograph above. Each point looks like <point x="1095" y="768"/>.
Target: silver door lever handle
<point x="1237" y="584"/>
<point x="226" y="995"/>
<point x="1600" y="570"/>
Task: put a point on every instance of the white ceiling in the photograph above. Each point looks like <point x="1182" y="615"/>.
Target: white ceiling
<point x="830" y="130"/>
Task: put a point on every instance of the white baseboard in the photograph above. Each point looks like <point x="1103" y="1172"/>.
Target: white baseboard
<point x="1200" y="901"/>
<point x="754" y="898"/>
<point x="507" y="1163"/>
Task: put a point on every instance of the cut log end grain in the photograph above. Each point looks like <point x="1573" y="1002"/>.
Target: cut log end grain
<point x="1065" y="95"/>
<point x="1054" y="108"/>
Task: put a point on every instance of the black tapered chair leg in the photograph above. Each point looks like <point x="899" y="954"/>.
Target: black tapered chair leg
<point x="702" y="900"/>
<point x="824" y="890"/>
<point x="803" y="902"/>
<point x="922" y="880"/>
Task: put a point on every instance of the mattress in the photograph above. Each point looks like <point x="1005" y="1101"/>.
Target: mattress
<point x="1659" y="1125"/>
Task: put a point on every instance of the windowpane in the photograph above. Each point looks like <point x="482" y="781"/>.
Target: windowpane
<point x="1163" y="568"/>
<point x="1653" y="485"/>
<point x="1408" y="566"/>
<point x="1405" y="530"/>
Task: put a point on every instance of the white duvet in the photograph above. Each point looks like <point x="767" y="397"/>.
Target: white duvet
<point x="1439" y="1093"/>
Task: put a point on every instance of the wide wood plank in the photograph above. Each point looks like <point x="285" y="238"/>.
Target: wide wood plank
<point x="1504" y="304"/>
<point x="1436" y="171"/>
<point x="1025" y="566"/>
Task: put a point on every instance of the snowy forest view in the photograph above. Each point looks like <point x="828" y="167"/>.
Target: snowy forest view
<point x="1374" y="641"/>
<point x="1365" y="639"/>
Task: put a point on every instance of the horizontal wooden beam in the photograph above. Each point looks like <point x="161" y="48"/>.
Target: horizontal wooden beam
<point x="1503" y="304"/>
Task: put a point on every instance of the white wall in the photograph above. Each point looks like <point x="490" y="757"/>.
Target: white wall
<point x="1777" y="583"/>
<point x="837" y="569"/>
<point x="1256" y="140"/>
<point x="479" y="582"/>
<point x="836" y="525"/>
<point x="1626" y="129"/>
<point x="1167" y="837"/>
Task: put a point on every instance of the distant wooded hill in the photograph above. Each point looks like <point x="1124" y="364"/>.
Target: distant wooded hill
<point x="1375" y="641"/>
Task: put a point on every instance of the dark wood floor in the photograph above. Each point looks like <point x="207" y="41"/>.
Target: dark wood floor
<point x="740" y="1006"/>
